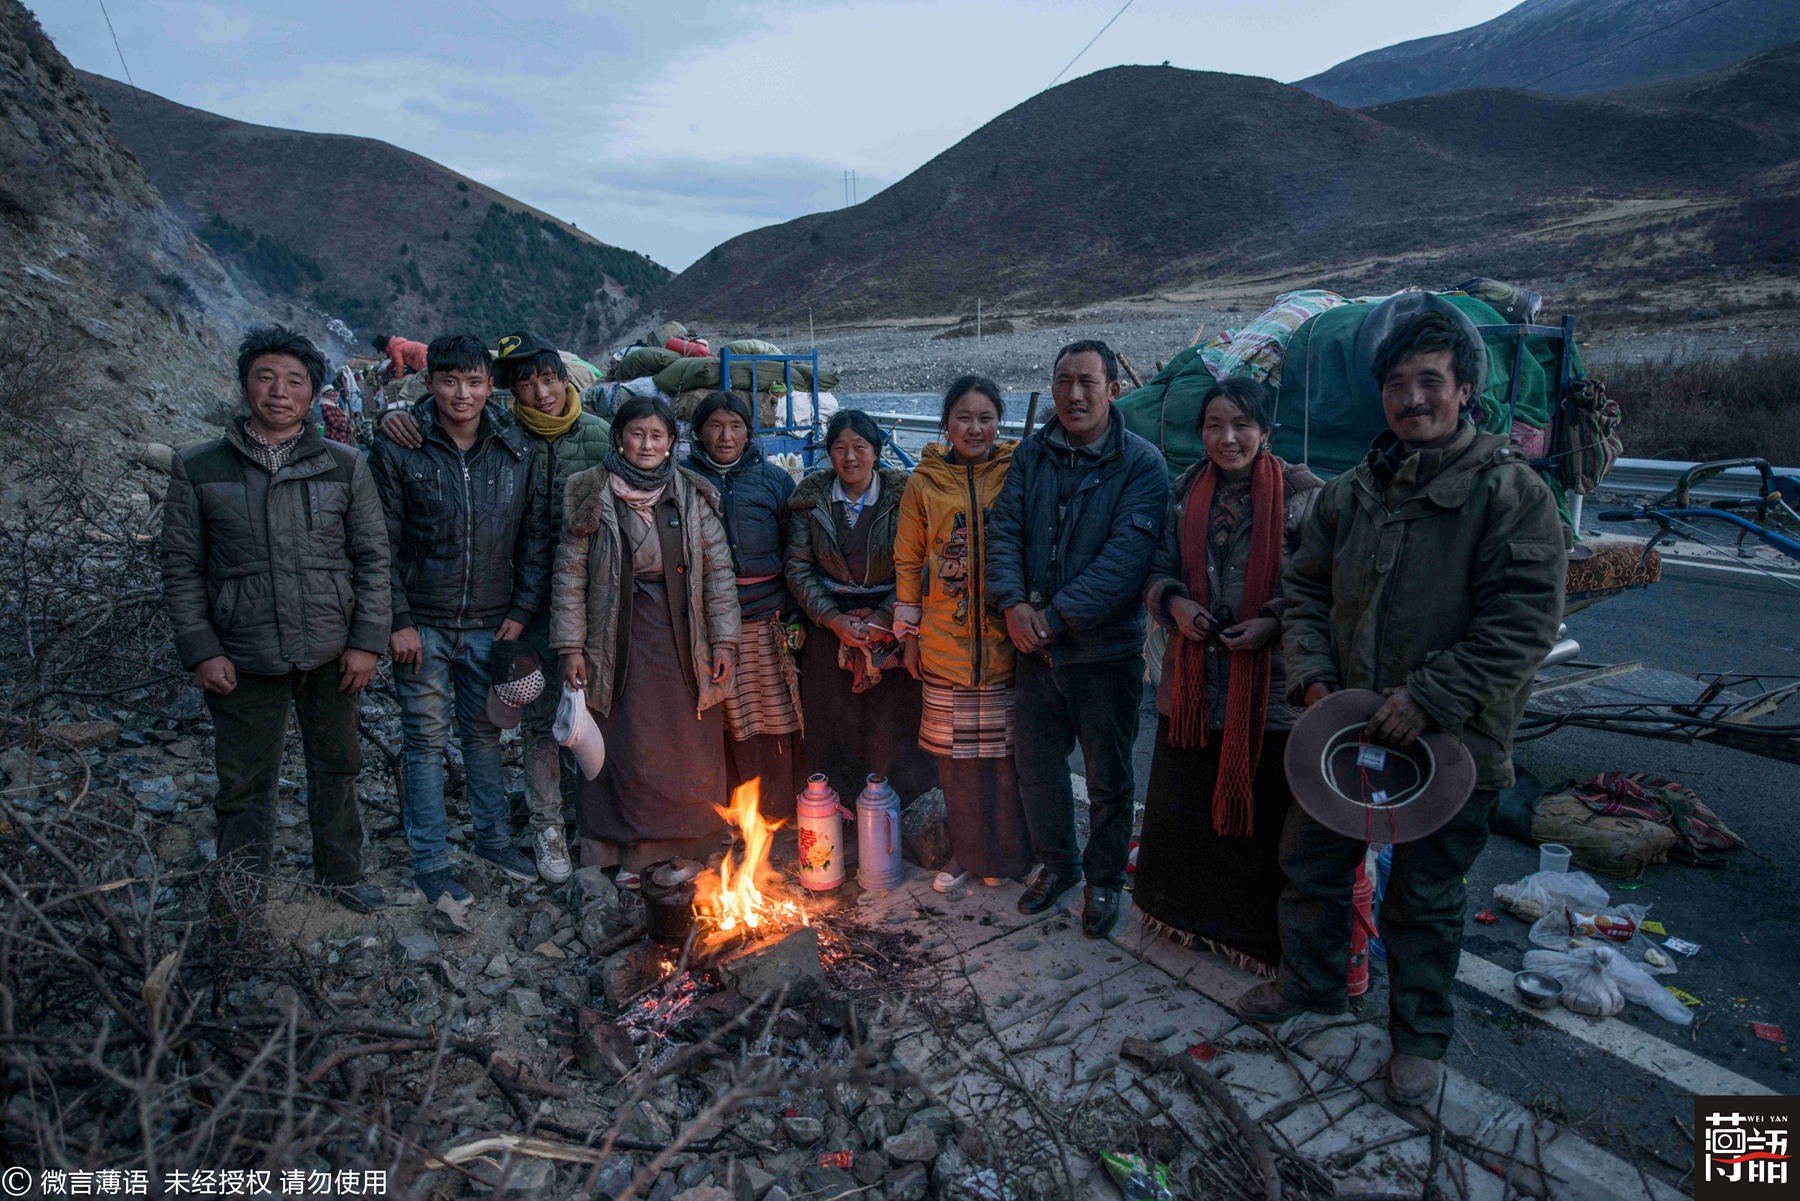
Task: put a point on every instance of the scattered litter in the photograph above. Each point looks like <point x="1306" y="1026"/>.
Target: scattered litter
<point x="1615" y="926"/>
<point x="1487" y="917"/>
<point x="1138" y="1179"/>
<point x="1686" y="998"/>
<point x="1652" y="927"/>
<point x="1204" y="1052"/>
<point x="1599" y="980"/>
<point x="1681" y="945"/>
<point x="1655" y="957"/>
<point x="836" y="1159"/>
<point x="1539" y="893"/>
<point x="1768" y="1031"/>
<point x="1631" y="884"/>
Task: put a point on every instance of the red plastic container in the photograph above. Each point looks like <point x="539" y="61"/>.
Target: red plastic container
<point x="1362" y="929"/>
<point x="692" y="349"/>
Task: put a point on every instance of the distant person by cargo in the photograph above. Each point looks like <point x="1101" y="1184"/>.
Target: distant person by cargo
<point x="329" y="415"/>
<point x="406" y="356"/>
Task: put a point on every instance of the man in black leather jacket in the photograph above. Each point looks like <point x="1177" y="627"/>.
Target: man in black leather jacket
<point x="468" y="522"/>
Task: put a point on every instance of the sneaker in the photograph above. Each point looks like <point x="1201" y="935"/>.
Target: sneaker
<point x="552" y="852"/>
<point x="360" y="897"/>
<point x="507" y="858"/>
<point x="442" y="882"/>
<point x="626" y="880"/>
<point x="951" y="878"/>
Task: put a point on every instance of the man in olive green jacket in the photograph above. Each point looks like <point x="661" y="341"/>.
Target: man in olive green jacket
<point x="1433" y="572"/>
<point x="276" y="576"/>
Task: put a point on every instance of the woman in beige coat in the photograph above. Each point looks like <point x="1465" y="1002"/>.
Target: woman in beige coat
<point x="644" y="611"/>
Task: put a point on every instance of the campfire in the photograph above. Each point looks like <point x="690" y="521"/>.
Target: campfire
<point x="727" y="924"/>
<point x="730" y="903"/>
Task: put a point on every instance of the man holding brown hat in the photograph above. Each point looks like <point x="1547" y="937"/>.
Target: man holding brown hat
<point x="1431" y="574"/>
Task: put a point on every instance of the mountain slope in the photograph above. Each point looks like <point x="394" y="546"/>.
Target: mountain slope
<point x="116" y="317"/>
<point x="1138" y="180"/>
<point x="1565" y="46"/>
<point x="373" y="234"/>
<point x="1118" y="182"/>
<point x="1701" y="132"/>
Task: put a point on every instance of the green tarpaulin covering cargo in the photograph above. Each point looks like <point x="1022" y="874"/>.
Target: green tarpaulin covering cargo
<point x="1309" y="347"/>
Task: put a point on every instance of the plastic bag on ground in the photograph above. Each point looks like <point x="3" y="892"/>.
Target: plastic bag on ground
<point x="1599" y="980"/>
<point x="1538" y="894"/>
<point x="1569" y="928"/>
<point x="1588" y="985"/>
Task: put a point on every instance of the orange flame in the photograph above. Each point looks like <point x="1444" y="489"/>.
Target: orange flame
<point x="731" y="900"/>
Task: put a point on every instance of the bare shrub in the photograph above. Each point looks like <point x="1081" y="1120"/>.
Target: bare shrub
<point x="1711" y="408"/>
<point x="35" y="370"/>
<point x="80" y="583"/>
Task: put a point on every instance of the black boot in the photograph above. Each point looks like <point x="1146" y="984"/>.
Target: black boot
<point x="1044" y="890"/>
<point x="1101" y="911"/>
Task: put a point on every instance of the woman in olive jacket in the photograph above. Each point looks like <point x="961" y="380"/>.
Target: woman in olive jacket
<point x="840" y="570"/>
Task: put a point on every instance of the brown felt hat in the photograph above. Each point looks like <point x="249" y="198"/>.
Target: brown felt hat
<point x="1363" y="789"/>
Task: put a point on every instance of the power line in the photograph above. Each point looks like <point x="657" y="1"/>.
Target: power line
<point x="1096" y="37"/>
<point x="116" y="47"/>
<point x="1628" y="41"/>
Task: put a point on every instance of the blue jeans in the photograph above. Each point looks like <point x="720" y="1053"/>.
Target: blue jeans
<point x="459" y="658"/>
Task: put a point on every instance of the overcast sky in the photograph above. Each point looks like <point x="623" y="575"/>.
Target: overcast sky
<point x="668" y="129"/>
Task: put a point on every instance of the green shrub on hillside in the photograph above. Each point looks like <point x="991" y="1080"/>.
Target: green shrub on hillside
<point x="526" y="272"/>
<point x="272" y="263"/>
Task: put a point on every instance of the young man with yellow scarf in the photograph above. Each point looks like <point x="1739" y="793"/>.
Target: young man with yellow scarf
<point x="567" y="441"/>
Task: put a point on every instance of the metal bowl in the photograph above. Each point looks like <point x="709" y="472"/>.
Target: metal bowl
<point x="1537" y="989"/>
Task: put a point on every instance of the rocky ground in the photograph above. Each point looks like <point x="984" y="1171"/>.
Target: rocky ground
<point x="745" y="1076"/>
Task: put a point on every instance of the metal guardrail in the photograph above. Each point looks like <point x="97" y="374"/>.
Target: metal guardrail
<point x="1653" y="477"/>
<point x="1638" y="477"/>
<point x="918" y="423"/>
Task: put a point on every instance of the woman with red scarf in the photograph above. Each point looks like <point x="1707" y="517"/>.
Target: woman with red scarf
<point x="1208" y="868"/>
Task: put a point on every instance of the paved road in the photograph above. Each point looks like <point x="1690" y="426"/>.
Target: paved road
<point x="1746" y="917"/>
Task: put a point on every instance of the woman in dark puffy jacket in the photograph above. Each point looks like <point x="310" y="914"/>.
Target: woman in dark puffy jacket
<point x="762" y="711"/>
<point x="840" y="569"/>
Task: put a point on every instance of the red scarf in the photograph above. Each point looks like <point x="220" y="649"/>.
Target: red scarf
<point x="1247" y="695"/>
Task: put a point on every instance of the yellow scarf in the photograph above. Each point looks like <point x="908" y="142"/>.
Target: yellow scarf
<point x="543" y="425"/>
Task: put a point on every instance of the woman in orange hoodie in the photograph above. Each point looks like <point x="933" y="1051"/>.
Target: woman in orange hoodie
<point x="953" y="639"/>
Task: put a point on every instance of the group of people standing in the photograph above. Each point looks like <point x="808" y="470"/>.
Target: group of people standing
<point x="966" y="625"/>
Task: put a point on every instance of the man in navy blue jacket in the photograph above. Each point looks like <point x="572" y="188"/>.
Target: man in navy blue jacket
<point x="1069" y="548"/>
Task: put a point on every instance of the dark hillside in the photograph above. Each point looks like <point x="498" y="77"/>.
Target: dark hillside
<point x="374" y="234"/>
<point x="1119" y="182"/>
<point x="1142" y="180"/>
<point x="1568" y="47"/>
